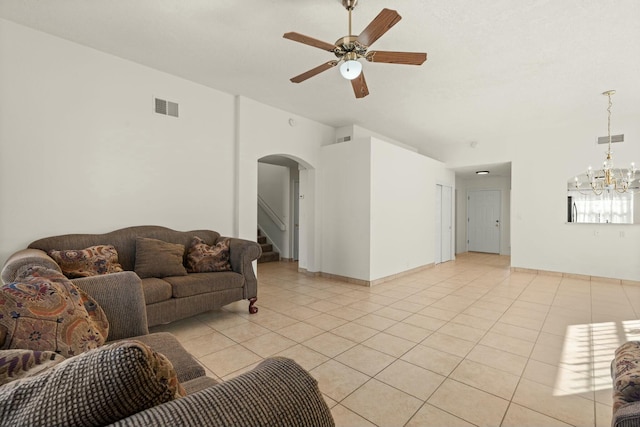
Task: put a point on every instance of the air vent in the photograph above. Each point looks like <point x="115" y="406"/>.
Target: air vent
<point x="161" y="106"/>
<point x="614" y="138"/>
<point x="166" y="108"/>
<point x="173" y="109"/>
<point x="344" y="139"/>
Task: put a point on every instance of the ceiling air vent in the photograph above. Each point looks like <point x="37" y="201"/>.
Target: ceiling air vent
<point x="166" y="108"/>
<point x="614" y="138"/>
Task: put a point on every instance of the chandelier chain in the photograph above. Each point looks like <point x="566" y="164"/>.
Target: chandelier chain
<point x="609" y="119"/>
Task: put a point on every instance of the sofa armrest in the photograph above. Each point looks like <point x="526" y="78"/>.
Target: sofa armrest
<point x="23" y="258"/>
<point x="627" y="416"/>
<point x="242" y="253"/>
<point x="278" y="392"/>
<point x="121" y="297"/>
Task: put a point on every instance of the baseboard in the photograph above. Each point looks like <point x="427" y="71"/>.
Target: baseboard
<point x="370" y="283"/>
<point x="576" y="276"/>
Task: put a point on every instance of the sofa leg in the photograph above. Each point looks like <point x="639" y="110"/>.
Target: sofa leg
<point x="252" y="308"/>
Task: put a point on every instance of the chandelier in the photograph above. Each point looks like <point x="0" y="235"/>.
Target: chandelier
<point x="609" y="178"/>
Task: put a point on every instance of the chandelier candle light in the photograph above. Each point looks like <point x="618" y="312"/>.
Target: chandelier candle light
<point x="609" y="178"/>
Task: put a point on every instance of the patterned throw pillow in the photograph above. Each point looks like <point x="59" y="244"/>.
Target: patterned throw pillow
<point x="42" y="310"/>
<point x="95" y="388"/>
<point x="626" y="381"/>
<point x="17" y="364"/>
<point x="202" y="258"/>
<point x="92" y="261"/>
<point x="156" y="258"/>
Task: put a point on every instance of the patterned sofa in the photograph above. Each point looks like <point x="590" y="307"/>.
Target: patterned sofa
<point x="171" y="291"/>
<point x="128" y="380"/>
<point x="625" y="371"/>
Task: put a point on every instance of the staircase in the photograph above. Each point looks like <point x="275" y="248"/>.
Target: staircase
<point x="268" y="254"/>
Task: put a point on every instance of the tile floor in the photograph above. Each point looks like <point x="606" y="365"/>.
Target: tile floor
<point x="464" y="343"/>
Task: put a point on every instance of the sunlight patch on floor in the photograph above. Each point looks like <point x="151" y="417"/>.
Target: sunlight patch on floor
<point x="587" y="352"/>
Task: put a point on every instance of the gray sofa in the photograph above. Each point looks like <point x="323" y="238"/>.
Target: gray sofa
<point x="167" y="298"/>
<point x="278" y="392"/>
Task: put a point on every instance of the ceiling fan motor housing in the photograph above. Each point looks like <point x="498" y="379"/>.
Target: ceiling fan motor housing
<point x="347" y="45"/>
<point x="349" y="4"/>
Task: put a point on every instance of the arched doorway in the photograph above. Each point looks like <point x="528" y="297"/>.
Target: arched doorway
<point x="286" y="207"/>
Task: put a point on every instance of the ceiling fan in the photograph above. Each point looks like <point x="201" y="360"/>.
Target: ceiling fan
<point x="349" y="49"/>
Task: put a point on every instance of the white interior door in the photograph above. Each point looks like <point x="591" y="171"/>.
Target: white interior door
<point x="483" y="221"/>
<point x="443" y="223"/>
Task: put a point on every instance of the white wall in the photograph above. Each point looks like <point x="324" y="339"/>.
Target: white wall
<point x="274" y="187"/>
<point x="345" y="209"/>
<point x="386" y="194"/>
<point x="463" y="186"/>
<point x="402" y="208"/>
<point x="263" y="131"/>
<point x="82" y="151"/>
<point x="543" y="159"/>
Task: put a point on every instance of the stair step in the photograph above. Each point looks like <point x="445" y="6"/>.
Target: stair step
<point x="266" y="247"/>
<point x="269" y="257"/>
<point x="262" y="240"/>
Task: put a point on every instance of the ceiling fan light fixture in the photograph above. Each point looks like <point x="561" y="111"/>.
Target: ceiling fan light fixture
<point x="350" y="69"/>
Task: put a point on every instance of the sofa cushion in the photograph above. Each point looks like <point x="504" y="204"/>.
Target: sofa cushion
<point x="202" y="258"/>
<point x="43" y="310"/>
<point x="156" y="258"/>
<point x="156" y="290"/>
<point x="18" y="363"/>
<point x="95" y="388"/>
<point x="92" y="261"/>
<point x="626" y="374"/>
<point x="202" y="283"/>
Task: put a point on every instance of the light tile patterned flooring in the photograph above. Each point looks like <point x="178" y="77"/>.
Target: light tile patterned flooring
<point x="464" y="343"/>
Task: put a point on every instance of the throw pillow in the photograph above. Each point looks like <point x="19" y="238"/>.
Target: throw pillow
<point x="202" y="258"/>
<point x="155" y="258"/>
<point x="42" y="310"/>
<point x="95" y="388"/>
<point x="626" y="381"/>
<point x="92" y="261"/>
<point x="16" y="364"/>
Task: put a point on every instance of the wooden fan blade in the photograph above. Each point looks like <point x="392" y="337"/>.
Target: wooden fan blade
<point x="360" y="86"/>
<point x="308" y="74"/>
<point x="380" y="25"/>
<point x="301" y="38"/>
<point x="409" y="58"/>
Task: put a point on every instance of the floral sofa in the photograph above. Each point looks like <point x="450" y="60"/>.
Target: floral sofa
<point x="625" y="371"/>
<point x="179" y="278"/>
<point x="79" y="353"/>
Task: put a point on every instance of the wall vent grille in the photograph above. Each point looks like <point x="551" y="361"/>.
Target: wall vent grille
<point x="614" y="138"/>
<point x="344" y="139"/>
<point x="165" y="107"/>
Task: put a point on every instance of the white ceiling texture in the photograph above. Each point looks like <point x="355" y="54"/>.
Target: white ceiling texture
<point x="491" y="63"/>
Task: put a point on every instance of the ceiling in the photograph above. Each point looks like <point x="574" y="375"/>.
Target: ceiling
<point x="492" y="64"/>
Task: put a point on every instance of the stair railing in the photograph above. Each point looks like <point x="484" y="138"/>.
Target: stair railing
<point x="272" y="214"/>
